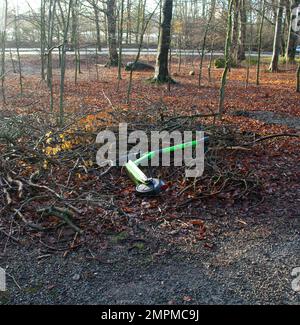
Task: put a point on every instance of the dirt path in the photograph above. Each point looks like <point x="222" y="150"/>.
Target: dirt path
<point x="249" y="264"/>
<point x="272" y="118"/>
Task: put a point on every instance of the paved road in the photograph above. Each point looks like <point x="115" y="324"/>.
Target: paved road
<point x="126" y="51"/>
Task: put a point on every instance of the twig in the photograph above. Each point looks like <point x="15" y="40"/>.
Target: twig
<point x="8" y="198"/>
<point x="272" y="136"/>
<point x="15" y="281"/>
<point x="106" y="171"/>
<point x="19" y="183"/>
<point x="27" y="223"/>
<point x="63" y="214"/>
<point x="51" y="191"/>
<point x="10" y="236"/>
<point x="109" y="101"/>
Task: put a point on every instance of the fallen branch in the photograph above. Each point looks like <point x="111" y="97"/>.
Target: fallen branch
<point x="10" y="236"/>
<point x="27" y="223"/>
<point x="231" y="148"/>
<point x="62" y="214"/>
<point x="15" y="281"/>
<point x="271" y="137"/>
<point x="109" y="101"/>
<point x="30" y="182"/>
<point x="8" y="197"/>
<point x="19" y="183"/>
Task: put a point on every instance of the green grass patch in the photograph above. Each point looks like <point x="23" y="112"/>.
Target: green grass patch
<point x="219" y="63"/>
<point x="266" y="60"/>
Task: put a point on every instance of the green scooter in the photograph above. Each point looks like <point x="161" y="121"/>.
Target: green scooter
<point x="150" y="186"/>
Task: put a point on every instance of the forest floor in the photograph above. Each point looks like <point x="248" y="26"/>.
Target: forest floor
<point x="233" y="236"/>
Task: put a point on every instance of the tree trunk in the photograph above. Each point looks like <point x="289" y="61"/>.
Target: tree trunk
<point x="144" y="28"/>
<point x="120" y="43"/>
<point x="235" y="32"/>
<point x="207" y="27"/>
<point x="63" y="62"/>
<point x="51" y="18"/>
<point x="3" y="43"/>
<point x="283" y="28"/>
<point x="17" y="40"/>
<point x="210" y="59"/>
<point x="292" y="32"/>
<point x="72" y="46"/>
<point x="111" y="33"/>
<point x="249" y="47"/>
<point x="75" y="32"/>
<point x="277" y="38"/>
<point x="138" y="21"/>
<point x="128" y="23"/>
<point x="12" y="61"/>
<point x="43" y="38"/>
<point x="298" y="79"/>
<point x="242" y="33"/>
<point x="260" y="41"/>
<point x="227" y="58"/>
<point x="98" y="33"/>
<point x="161" y="67"/>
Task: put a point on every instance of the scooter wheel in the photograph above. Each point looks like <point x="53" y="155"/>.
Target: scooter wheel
<point x="152" y="188"/>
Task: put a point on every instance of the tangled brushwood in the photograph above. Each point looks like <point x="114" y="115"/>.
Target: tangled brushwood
<point x="50" y="180"/>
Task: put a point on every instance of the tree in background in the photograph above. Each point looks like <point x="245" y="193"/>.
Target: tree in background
<point x="227" y="58"/>
<point x="292" y="39"/>
<point x="242" y="32"/>
<point x="3" y="25"/>
<point x="161" y="67"/>
<point x="112" y="33"/>
<point x="235" y="32"/>
<point x="207" y="27"/>
<point x="43" y="36"/>
<point x="65" y="16"/>
<point x="277" y="37"/>
<point x="260" y="41"/>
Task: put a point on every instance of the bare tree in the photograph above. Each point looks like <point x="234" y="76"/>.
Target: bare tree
<point x="95" y="5"/>
<point x="50" y="48"/>
<point x="260" y="40"/>
<point x="298" y="79"/>
<point x="120" y="42"/>
<point x="227" y="58"/>
<point x="242" y="32"/>
<point x="66" y="23"/>
<point x="292" y="38"/>
<point x="161" y="68"/>
<point x="43" y="37"/>
<point x="75" y="37"/>
<point x="17" y="42"/>
<point x="145" y="24"/>
<point x="235" y="32"/>
<point x="277" y="37"/>
<point x="3" y="25"/>
<point x="128" y="22"/>
<point x="207" y="27"/>
<point x="110" y="12"/>
<point x="111" y="33"/>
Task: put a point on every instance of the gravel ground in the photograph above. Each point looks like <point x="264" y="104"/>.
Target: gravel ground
<point x="250" y="265"/>
<point x="272" y="118"/>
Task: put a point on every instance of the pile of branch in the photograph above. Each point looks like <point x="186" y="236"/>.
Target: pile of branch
<point x="42" y="192"/>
